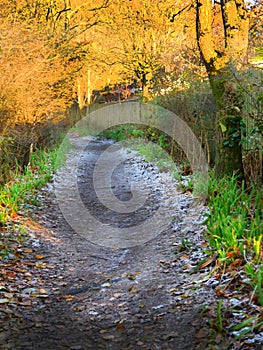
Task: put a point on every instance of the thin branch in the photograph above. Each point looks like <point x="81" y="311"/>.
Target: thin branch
<point x="58" y="14"/>
<point x="94" y="9"/>
<point x="186" y="8"/>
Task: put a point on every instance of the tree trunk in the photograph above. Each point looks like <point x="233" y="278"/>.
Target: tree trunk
<point x="89" y="92"/>
<point x="145" y="92"/>
<point x="145" y="87"/>
<point x="229" y="120"/>
<point x="220" y="66"/>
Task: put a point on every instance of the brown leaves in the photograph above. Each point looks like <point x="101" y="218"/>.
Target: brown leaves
<point x="120" y="327"/>
<point x="68" y="297"/>
<point x="21" y="281"/>
<point x="208" y="261"/>
<point x="220" y="292"/>
<point x="133" y="289"/>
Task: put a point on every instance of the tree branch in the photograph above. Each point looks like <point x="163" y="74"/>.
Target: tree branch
<point x="186" y="8"/>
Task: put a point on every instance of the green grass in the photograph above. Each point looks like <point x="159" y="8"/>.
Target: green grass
<point x="154" y="153"/>
<point x="234" y="223"/>
<point x="22" y="187"/>
<point x="121" y="132"/>
<point x="234" y="230"/>
<point x="255" y="274"/>
<point x="149" y="143"/>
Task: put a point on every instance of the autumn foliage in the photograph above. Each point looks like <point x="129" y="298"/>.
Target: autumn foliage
<point x="56" y="53"/>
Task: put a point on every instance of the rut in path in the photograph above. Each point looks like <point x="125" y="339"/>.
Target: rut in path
<point x="99" y="297"/>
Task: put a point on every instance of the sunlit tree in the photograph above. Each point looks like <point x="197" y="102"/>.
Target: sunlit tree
<point x="221" y="62"/>
<point x="145" y="41"/>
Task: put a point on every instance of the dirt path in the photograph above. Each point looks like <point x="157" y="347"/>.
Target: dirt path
<point x="99" y="297"/>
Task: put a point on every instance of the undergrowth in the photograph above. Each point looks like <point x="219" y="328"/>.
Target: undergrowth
<point x="234" y="222"/>
<point x="235" y="227"/>
<point x="22" y="187"/>
<point x="234" y="233"/>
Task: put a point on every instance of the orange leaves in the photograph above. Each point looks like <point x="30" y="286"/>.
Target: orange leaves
<point x="230" y="255"/>
<point x="234" y="253"/>
<point x="68" y="297"/>
<point x="10" y="274"/>
<point x="237" y="263"/>
<point x="220" y="293"/>
<point x="120" y="327"/>
<point x="39" y="257"/>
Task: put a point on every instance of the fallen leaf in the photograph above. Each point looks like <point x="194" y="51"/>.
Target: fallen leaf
<point x="184" y="256"/>
<point x="132" y="289"/>
<point x="108" y="337"/>
<point x="230" y="255"/>
<point x="188" y="191"/>
<point x="40" y="266"/>
<point x="68" y="297"/>
<point x="38" y="324"/>
<point x="202" y="333"/>
<point x="4" y="300"/>
<point x="220" y="292"/>
<point x="170" y="335"/>
<point x="8" y="295"/>
<point x="42" y="291"/>
<point x="237" y="263"/>
<point x="106" y="284"/>
<point x="39" y="257"/>
<point x="172" y="290"/>
<point x="131" y="277"/>
<point x="142" y="304"/>
<point x="3" y="288"/>
<point x="207" y="262"/>
<point x="120" y="327"/>
<point x="10" y="274"/>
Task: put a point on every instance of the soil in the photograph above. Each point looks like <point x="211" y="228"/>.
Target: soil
<point x="94" y="296"/>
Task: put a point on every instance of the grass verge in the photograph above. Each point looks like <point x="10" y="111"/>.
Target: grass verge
<point x="234" y="222"/>
<point x="22" y="188"/>
<point x="234" y="235"/>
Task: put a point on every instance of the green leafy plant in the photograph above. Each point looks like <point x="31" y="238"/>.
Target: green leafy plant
<point x="121" y="132"/>
<point x="219" y="322"/>
<point x="219" y="318"/>
<point x="234" y="223"/>
<point x="255" y="275"/>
